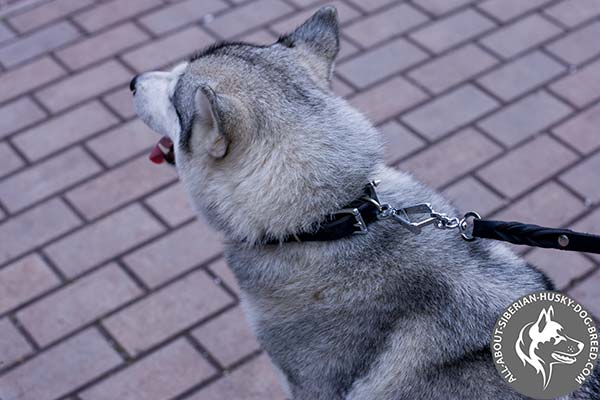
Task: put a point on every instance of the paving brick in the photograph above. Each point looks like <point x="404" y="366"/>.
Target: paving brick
<point x="528" y="116"/>
<point x="385" y="24"/>
<point x="380" y="63"/>
<point x="578" y="46"/>
<point x="168" y="49"/>
<point x="527" y="166"/>
<point x="574" y="12"/>
<point x="590" y="223"/>
<point x="13" y="345"/>
<point x="521" y="75"/>
<point x="9" y="160"/>
<point x="242" y="384"/>
<point x="581" y="131"/>
<point x="27" y="77"/>
<point x="166" y="312"/>
<point x="61" y="369"/>
<point x="248" y="16"/>
<point x="113" y="11"/>
<point x="347" y="49"/>
<point x="582" y="87"/>
<point x="549" y="205"/>
<point x="468" y="194"/>
<point x="83" y="85"/>
<point x="35" y="227"/>
<point x="23" y="280"/>
<point x="450" y="111"/>
<point x="70" y="308"/>
<point x="561" y="266"/>
<point x="452" y="30"/>
<point x="520" y="36"/>
<point x="182" y="13"/>
<point x="375" y="102"/>
<point x="45" y="13"/>
<point x="228" y="337"/>
<point x="345" y="14"/>
<point x="341" y="88"/>
<point x="121" y="102"/>
<point x="224" y="274"/>
<point x="262" y="36"/>
<point x="439" y="7"/>
<point x="588" y="293"/>
<point x="64" y="130"/>
<point x="101" y="46"/>
<point x="103" y="240"/>
<point x="446" y="160"/>
<point x="119" y="186"/>
<point x="583" y="178"/>
<point x="179" y="251"/>
<point x="5" y="33"/>
<point x="506" y="10"/>
<point x="453" y="68"/>
<point x="162" y="375"/>
<point x="18" y="115"/>
<point x="37" y="43"/>
<point x="47" y="178"/>
<point x="172" y="204"/>
<point x="399" y="141"/>
<point x="371" y="5"/>
<point x="123" y="142"/>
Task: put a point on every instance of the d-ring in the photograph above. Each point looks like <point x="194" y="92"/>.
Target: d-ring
<point x="464" y="225"/>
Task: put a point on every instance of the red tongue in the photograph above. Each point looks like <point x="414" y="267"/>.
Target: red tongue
<point x="159" y="151"/>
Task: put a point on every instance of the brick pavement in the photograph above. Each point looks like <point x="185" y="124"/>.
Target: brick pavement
<point x="110" y="289"/>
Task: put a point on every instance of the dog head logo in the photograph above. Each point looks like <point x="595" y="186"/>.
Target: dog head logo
<point x="543" y="344"/>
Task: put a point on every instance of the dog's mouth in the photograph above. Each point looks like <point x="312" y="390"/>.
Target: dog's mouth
<point x="163" y="151"/>
<point x="563" y="358"/>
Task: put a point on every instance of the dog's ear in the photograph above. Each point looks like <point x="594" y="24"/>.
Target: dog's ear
<point x="544" y="318"/>
<point x="213" y="113"/>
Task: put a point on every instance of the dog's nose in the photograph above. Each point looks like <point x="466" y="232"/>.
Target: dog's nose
<point x="132" y="83"/>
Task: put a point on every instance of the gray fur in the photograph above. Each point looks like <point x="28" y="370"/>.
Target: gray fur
<point x="385" y="316"/>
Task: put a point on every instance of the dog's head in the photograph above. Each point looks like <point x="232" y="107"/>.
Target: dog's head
<point x="262" y="145"/>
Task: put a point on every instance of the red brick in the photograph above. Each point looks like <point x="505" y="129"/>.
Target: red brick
<point x="450" y="111"/>
<point x="228" y="337"/>
<point x="113" y="11"/>
<point x="521" y="75"/>
<point x="583" y="178"/>
<point x="77" y="304"/>
<point x="375" y="102"/>
<point x="578" y="46"/>
<point x="574" y="12"/>
<point x="468" y="194"/>
<point x="385" y="24"/>
<point x="224" y="274"/>
<point x="248" y="16"/>
<point x="528" y="116"/>
<point x="242" y="383"/>
<point x="345" y="14"/>
<point x="162" y="375"/>
<point x="446" y="160"/>
<point x="120" y="186"/>
<point x="13" y="345"/>
<point x="371" y="5"/>
<point x="453" y="68"/>
<point x="123" y="142"/>
<point x="166" y="312"/>
<point x="588" y="293"/>
<point x="526" y="166"/>
<point x="101" y="46"/>
<point x="23" y="280"/>
<point x="64" y="130"/>
<point x="181" y="250"/>
<point x="45" y="13"/>
<point x="581" y="131"/>
<point x="399" y="141"/>
<point x="35" y="227"/>
<point x="83" y="85"/>
<point x="439" y="7"/>
<point x="27" y="77"/>
<point x="61" y="369"/>
<point x="506" y="10"/>
<point x="19" y="114"/>
<point x="380" y="63"/>
<point x="47" y="178"/>
<point x="9" y="160"/>
<point x="561" y="266"/>
<point x="453" y="30"/>
<point x="172" y="204"/>
<point x="180" y="14"/>
<point x="120" y="101"/>
<point x="582" y="87"/>
<point x="37" y="43"/>
<point x="168" y="49"/>
<point x="520" y="36"/>
<point x="103" y="240"/>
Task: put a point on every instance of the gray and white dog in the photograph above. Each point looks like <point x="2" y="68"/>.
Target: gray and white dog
<point x="265" y="150"/>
